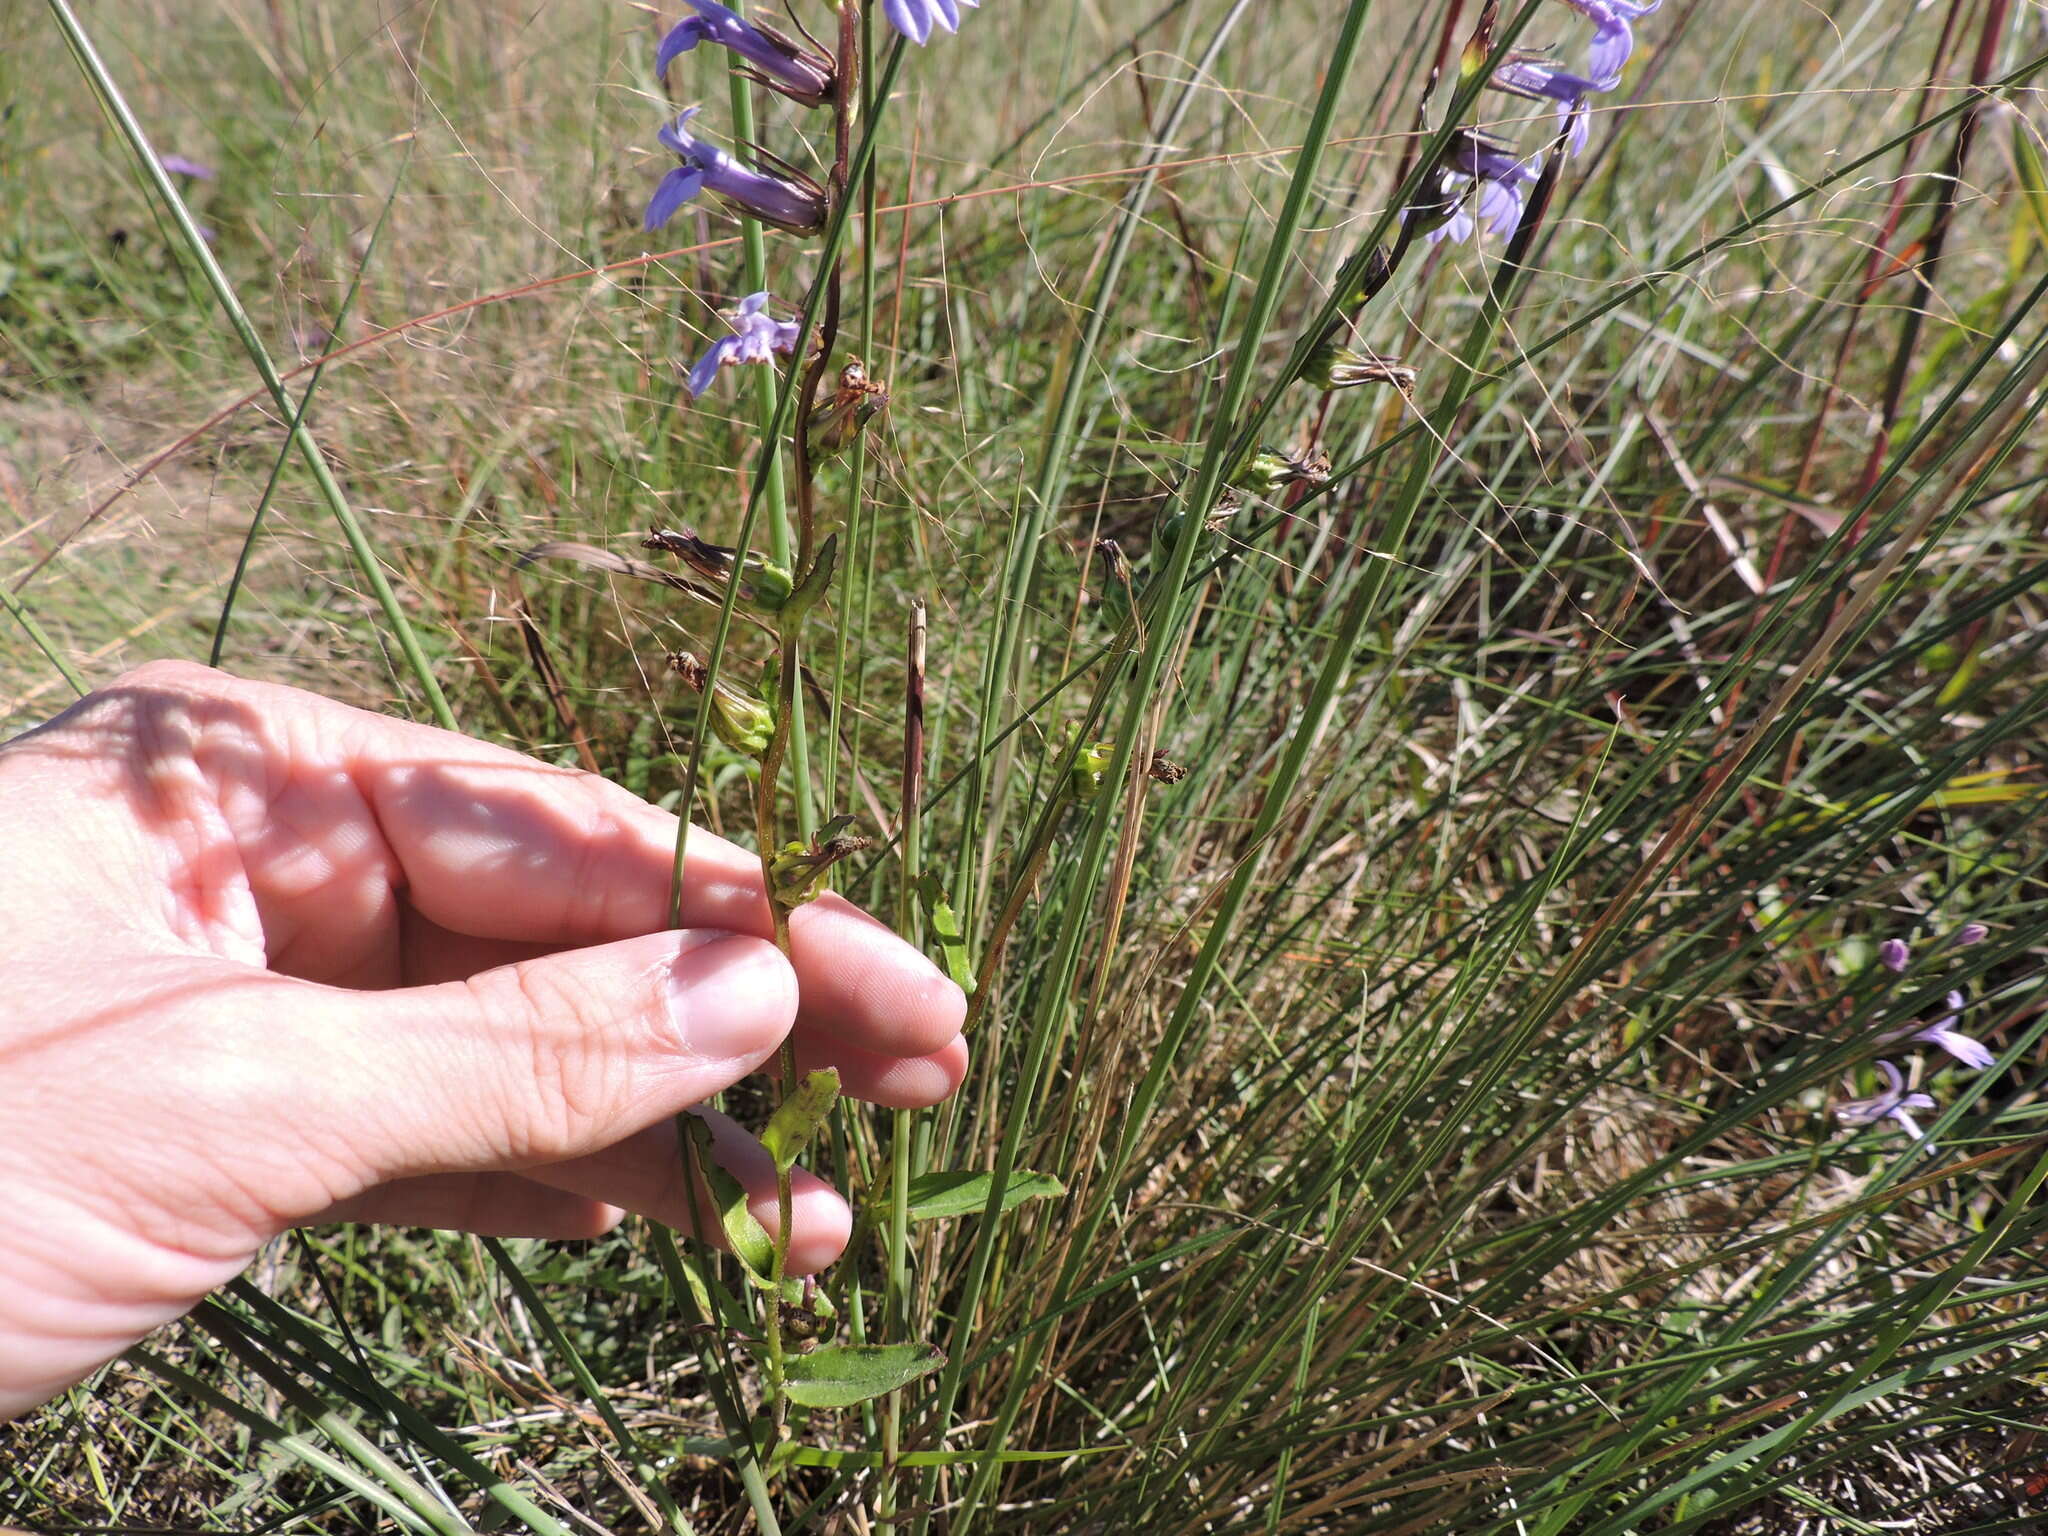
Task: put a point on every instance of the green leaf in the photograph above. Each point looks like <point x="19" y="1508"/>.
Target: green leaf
<point x="749" y="1239"/>
<point x="815" y="581"/>
<point x="2032" y="177"/>
<point x="840" y="1375"/>
<point x="797" y="1118"/>
<point x="944" y="1195"/>
<point x="945" y="926"/>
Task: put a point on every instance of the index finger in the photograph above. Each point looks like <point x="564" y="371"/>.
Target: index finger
<point x="500" y="846"/>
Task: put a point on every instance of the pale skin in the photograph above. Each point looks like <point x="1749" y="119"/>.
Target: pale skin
<point x="271" y="961"/>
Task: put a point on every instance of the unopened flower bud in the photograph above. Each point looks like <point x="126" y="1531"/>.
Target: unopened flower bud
<point x="797" y="870"/>
<point x="1332" y="366"/>
<point x="1367" y="275"/>
<point x="1472" y="57"/>
<point x="1114" y="565"/>
<point x="1084" y="779"/>
<point x="1267" y="470"/>
<point x="1228" y="505"/>
<point x="743" y="723"/>
<point x="762" y="583"/>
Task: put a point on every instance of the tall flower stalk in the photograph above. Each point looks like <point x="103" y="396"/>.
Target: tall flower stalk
<point x="780" y="590"/>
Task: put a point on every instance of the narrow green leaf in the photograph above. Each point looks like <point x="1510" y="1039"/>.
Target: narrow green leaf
<point x="840" y="1375"/>
<point x="943" y="1195"/>
<point x="797" y="1118"/>
<point x="2032" y="176"/>
<point x="815" y="581"/>
<point x="750" y="1241"/>
<point x="945" y="926"/>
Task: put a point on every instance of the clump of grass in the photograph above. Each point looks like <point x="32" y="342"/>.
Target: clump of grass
<point x="1438" y="1077"/>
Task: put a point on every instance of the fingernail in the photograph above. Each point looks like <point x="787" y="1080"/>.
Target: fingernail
<point x="731" y="998"/>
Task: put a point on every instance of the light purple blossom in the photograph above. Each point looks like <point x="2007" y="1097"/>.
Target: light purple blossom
<point x="772" y="199"/>
<point x="1613" y="41"/>
<point x="778" y="62"/>
<point x="916" y="19"/>
<point x="1539" y="80"/>
<point x="1972" y="1053"/>
<point x="178" y="165"/>
<point x="757" y="336"/>
<point x="1458" y="226"/>
<point x="1894" y="955"/>
<point x="1894" y="1102"/>
<point x="1501" y="178"/>
<point x="1475" y="156"/>
<point x="1500" y="206"/>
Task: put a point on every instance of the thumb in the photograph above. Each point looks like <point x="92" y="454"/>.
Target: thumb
<point x="548" y="1059"/>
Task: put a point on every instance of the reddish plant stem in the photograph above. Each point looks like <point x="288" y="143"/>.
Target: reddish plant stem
<point x="1947" y="192"/>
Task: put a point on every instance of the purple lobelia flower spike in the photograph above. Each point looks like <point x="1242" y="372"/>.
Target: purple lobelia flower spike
<point x="1894" y="1103"/>
<point x="1535" y="78"/>
<point x="757" y="336"/>
<point x="778" y="62"/>
<point x="916" y="19"/>
<point x="782" y="201"/>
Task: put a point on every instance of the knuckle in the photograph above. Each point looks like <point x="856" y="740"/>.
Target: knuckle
<point x="569" y="1073"/>
<point x="171" y="674"/>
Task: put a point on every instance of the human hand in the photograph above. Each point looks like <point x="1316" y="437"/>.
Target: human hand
<point x="271" y="961"/>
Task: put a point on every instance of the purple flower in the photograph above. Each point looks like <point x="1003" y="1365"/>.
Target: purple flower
<point x="1474" y="156"/>
<point x="778" y="62"/>
<point x="1970" y="933"/>
<point x="1894" y="1102"/>
<point x="778" y="200"/>
<point x="1458" y="226"/>
<point x="1538" y="80"/>
<point x="1500" y="177"/>
<point x="1500" y="206"/>
<point x="178" y="165"/>
<point x="916" y="18"/>
<point x="1613" y="42"/>
<point x="757" y="336"/>
<point x="1974" y="1054"/>
<point x="1893" y="955"/>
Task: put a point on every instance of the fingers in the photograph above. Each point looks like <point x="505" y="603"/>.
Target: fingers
<point x="894" y="1082"/>
<point x="644" y="1173"/>
<point x="495" y="845"/>
<point x="488" y="1204"/>
<point x="539" y="1062"/>
<point x="869" y="987"/>
<point x="585" y="1197"/>
<point x="567" y="859"/>
<point x="898" y="1082"/>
